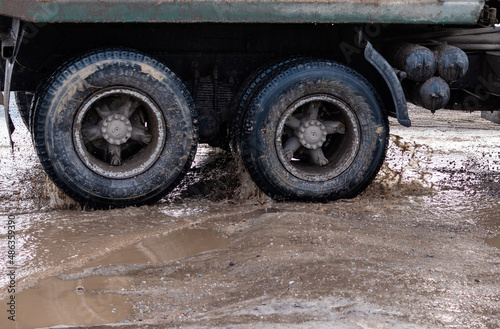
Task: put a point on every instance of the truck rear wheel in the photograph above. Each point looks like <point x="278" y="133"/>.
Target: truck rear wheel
<point x="115" y="128"/>
<point x="316" y="131"/>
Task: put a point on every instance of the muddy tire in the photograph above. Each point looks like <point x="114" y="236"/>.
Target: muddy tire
<point x="115" y="128"/>
<point x="23" y="102"/>
<point x="316" y="131"/>
<point x="246" y="95"/>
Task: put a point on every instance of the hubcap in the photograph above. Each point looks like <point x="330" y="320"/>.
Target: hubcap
<point x="119" y="133"/>
<point x="116" y="129"/>
<point x="312" y="134"/>
<point x="317" y="138"/>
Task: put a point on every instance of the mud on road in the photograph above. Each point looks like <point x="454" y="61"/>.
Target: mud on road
<point x="418" y="249"/>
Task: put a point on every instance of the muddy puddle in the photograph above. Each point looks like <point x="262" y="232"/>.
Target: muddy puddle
<point x="495" y="242"/>
<point x="176" y="244"/>
<point x="97" y="292"/>
<point x="58" y="302"/>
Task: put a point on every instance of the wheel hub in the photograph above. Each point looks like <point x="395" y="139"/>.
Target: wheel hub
<point x="116" y="129"/>
<point x="312" y="134"/>
<point x="317" y="138"/>
<point x="119" y="133"/>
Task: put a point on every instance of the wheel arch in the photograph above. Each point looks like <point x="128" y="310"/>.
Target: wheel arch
<point x="375" y="68"/>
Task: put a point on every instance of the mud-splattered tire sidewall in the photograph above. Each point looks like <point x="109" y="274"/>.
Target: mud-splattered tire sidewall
<point x="246" y="95"/>
<point x="259" y="148"/>
<point x="67" y="90"/>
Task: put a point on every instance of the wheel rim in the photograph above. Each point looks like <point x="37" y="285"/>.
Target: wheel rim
<point x="318" y="138"/>
<point x="119" y="133"/>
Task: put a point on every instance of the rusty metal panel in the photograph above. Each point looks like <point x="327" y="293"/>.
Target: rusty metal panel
<point x="249" y="11"/>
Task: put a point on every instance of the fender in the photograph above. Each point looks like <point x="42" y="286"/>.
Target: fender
<point x="11" y="42"/>
<point x="391" y="79"/>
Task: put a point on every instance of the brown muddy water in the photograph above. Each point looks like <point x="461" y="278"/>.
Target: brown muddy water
<point x="418" y="249"/>
<point x="93" y="294"/>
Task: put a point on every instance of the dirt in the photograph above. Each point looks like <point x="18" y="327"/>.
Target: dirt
<point x="418" y="249"/>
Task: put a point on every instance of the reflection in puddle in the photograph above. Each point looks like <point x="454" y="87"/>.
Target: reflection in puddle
<point x="176" y="244"/>
<point x="94" y="295"/>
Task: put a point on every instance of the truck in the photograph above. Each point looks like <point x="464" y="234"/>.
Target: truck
<point x="117" y="94"/>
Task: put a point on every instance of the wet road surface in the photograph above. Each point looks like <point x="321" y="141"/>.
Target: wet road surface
<point x="418" y="249"/>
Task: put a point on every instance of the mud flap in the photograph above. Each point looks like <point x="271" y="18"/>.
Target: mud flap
<point x="392" y="81"/>
<point x="11" y="43"/>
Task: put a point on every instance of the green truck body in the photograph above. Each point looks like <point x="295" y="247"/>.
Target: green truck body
<point x="243" y="11"/>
